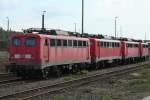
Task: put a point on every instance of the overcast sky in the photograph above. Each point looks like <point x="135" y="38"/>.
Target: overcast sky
<point x="133" y="15"/>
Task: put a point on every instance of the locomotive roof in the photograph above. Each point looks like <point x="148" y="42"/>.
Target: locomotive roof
<point x="145" y="43"/>
<point x="62" y="37"/>
<point x="131" y="42"/>
<point x="69" y="37"/>
<point x="49" y="36"/>
<point x="107" y="40"/>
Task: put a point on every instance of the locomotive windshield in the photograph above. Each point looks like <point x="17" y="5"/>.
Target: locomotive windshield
<point x="30" y="41"/>
<point x="16" y="41"/>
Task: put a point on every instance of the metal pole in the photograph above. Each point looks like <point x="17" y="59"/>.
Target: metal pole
<point x="116" y="27"/>
<point x="43" y="20"/>
<point x="7" y="23"/>
<point x="145" y="36"/>
<point x="120" y="31"/>
<point x="82" y="16"/>
<point x="75" y="27"/>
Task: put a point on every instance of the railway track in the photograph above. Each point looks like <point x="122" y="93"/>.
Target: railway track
<point x="5" y="74"/>
<point x="59" y="87"/>
<point x="11" y="82"/>
<point x="13" y="79"/>
<point x="7" y="78"/>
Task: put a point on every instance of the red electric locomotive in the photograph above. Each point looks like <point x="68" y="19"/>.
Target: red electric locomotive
<point x="131" y="50"/>
<point x="144" y="51"/>
<point x="134" y="51"/>
<point x="105" y="51"/>
<point x="39" y="53"/>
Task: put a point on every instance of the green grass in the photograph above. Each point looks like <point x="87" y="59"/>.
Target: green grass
<point x="77" y="75"/>
<point x="58" y="98"/>
<point x="140" y="83"/>
<point x="137" y="82"/>
<point x="82" y="73"/>
<point x="2" y="60"/>
<point x="67" y="78"/>
<point x="106" y="97"/>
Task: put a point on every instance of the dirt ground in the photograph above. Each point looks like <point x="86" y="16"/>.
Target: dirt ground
<point x="134" y="86"/>
<point x="3" y="61"/>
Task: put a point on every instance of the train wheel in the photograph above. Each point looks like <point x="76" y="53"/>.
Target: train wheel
<point x="58" y="71"/>
<point x="87" y="66"/>
<point x="75" y="69"/>
<point x="45" y="74"/>
<point x="96" y="66"/>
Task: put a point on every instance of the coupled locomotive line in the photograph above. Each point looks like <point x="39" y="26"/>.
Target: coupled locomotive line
<point x="54" y="88"/>
<point x="71" y="52"/>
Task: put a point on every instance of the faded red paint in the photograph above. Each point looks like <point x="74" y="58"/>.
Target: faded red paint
<point x="42" y="53"/>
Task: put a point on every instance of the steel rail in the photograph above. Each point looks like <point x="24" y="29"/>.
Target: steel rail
<point x="13" y="83"/>
<point x="9" y="80"/>
<point x="5" y="74"/>
<point x="54" y="88"/>
<point x="82" y="82"/>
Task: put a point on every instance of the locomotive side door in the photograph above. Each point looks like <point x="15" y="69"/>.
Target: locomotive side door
<point x="124" y="49"/>
<point x="93" y="50"/>
<point x="46" y="50"/>
<point x="140" y="49"/>
<point x="99" y="50"/>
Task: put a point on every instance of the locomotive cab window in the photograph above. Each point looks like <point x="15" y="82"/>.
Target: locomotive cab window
<point x="118" y="45"/>
<point x="65" y="43"/>
<point x="105" y="44"/>
<point x="30" y="41"/>
<point x="87" y="43"/>
<point x="108" y="44"/>
<point x="102" y="44"/>
<point x="136" y="45"/>
<point x="70" y="43"/>
<point x="46" y="42"/>
<point x="113" y="45"/>
<point x="145" y="46"/>
<point x="84" y="43"/>
<point x="74" y="43"/>
<point x="16" y="41"/>
<point x="52" y="42"/>
<point x="80" y="43"/>
<point x="59" y="43"/>
<point x="130" y="45"/>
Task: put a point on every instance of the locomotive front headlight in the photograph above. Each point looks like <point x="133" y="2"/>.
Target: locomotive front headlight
<point x="17" y="56"/>
<point x="28" y="56"/>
